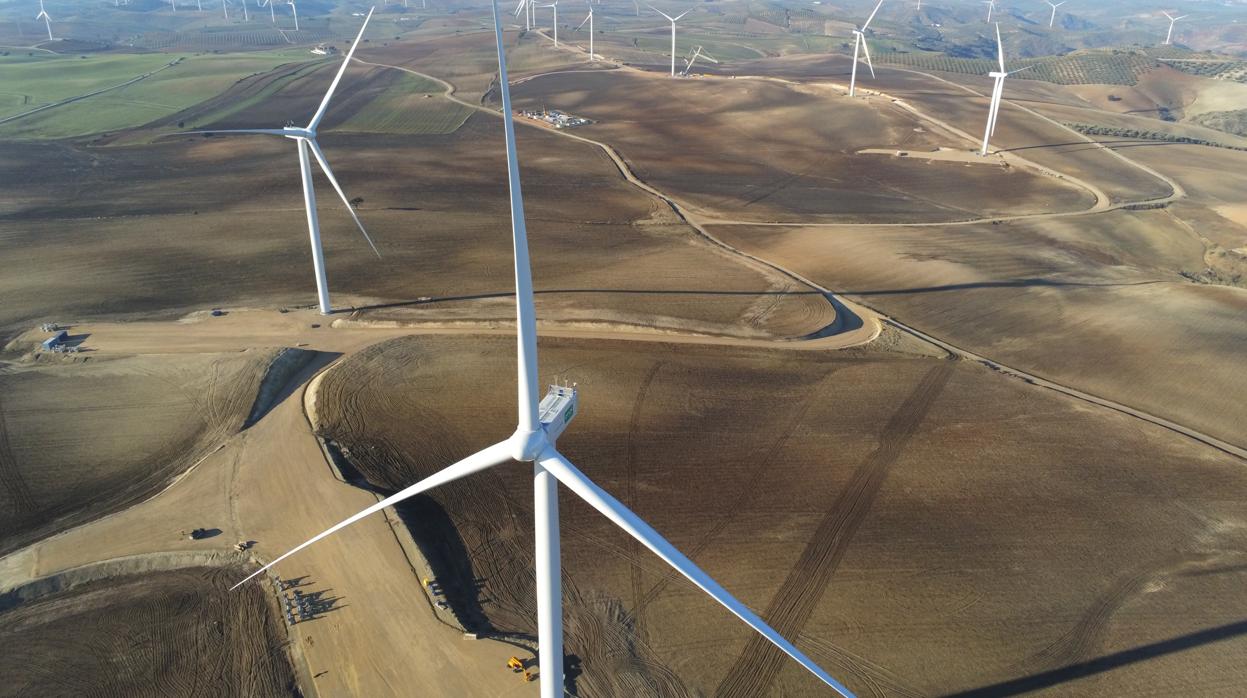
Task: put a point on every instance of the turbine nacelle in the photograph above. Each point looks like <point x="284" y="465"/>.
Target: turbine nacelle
<point x="997" y="74"/>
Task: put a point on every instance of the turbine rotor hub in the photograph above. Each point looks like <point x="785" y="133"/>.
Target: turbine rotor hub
<point x="527" y="447"/>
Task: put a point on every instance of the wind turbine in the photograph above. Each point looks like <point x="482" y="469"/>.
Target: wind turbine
<point x="1172" y="21"/>
<point x="47" y="21"/>
<point x="225" y="9"/>
<point x="589" y="19"/>
<point x="174" y="3"/>
<point x="245" y="17"/>
<point x="1052" y="19"/>
<point x="673" y="21"/>
<point x="993" y="111"/>
<point x="859" y="46"/>
<point x="524" y="6"/>
<point x="295" y="11"/>
<point x="555" y="6"/>
<point x="199" y="5"/>
<point x="539" y="426"/>
<point x="991" y="5"/>
<point x="305" y="138"/>
<point x="697" y="52"/>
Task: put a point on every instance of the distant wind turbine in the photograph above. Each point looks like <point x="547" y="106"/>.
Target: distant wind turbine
<point x="524" y="6"/>
<point x="199" y="5"/>
<point x="673" y="21"/>
<point x="295" y="11"/>
<point x="1172" y="21"/>
<point x="305" y="139"/>
<point x="538" y="427"/>
<point x="991" y="5"/>
<point x="1052" y="19"/>
<point x="555" y="6"/>
<point x="589" y="19"/>
<point x="47" y="21"/>
<point x="245" y="17"/>
<point x="174" y="3"/>
<point x="993" y="112"/>
<point x="696" y="53"/>
<point x="224" y="8"/>
<point x="859" y="46"/>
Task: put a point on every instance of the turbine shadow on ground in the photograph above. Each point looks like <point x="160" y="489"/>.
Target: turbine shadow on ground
<point x="1019" y="283"/>
<point x="1092" y="145"/>
<point x="620" y="291"/>
<point x="1073" y="672"/>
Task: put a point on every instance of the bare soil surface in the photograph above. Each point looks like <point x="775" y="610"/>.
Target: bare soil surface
<point x="179" y="633"/>
<point x="80" y="439"/>
<point x="921" y="526"/>
<point x="767" y="151"/>
<point x="1098" y="302"/>
<point x="184" y="235"/>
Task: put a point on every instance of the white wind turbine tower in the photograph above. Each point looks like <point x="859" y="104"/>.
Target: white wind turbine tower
<point x="224" y="9"/>
<point x="47" y="21"/>
<point x="991" y="5"/>
<point x="993" y="111"/>
<point x="859" y="46"/>
<point x="673" y="20"/>
<point x="1172" y="21"/>
<point x="589" y="19"/>
<point x="526" y="7"/>
<point x="305" y="139"/>
<point x="697" y="53"/>
<point x="555" y="6"/>
<point x="1052" y="19"/>
<point x="539" y="426"/>
<point x="199" y="5"/>
<point x="245" y="17"/>
<point x="295" y="11"/>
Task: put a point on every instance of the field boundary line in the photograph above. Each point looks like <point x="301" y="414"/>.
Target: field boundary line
<point x="78" y="98"/>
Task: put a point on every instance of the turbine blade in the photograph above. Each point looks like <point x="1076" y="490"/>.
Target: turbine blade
<point x="622" y="517"/>
<point x="494" y="455"/>
<point x="1168" y="15"/>
<point x="664" y="14"/>
<point x="1000" y="49"/>
<point x="866" y="50"/>
<point x="525" y="307"/>
<point x="872" y="15"/>
<point x="324" y="166"/>
<point x="681" y="15"/>
<point x="267" y="131"/>
<point x="324" y="104"/>
<point x="584" y="22"/>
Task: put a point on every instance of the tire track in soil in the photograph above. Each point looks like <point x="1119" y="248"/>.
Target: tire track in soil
<point x="11" y="480"/>
<point x="634" y="547"/>
<point x="793" y="604"/>
<point x="746" y="494"/>
<point x="881" y="681"/>
<point x="1088" y="632"/>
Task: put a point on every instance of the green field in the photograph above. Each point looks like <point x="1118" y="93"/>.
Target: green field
<point x="191" y="81"/>
<point x="413" y="105"/>
<point x="31" y="81"/>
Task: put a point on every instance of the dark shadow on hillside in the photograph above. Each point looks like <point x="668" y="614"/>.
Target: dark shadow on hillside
<point x="1019" y="283"/>
<point x="269" y="397"/>
<point x="439" y="540"/>
<point x="1109" y="662"/>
